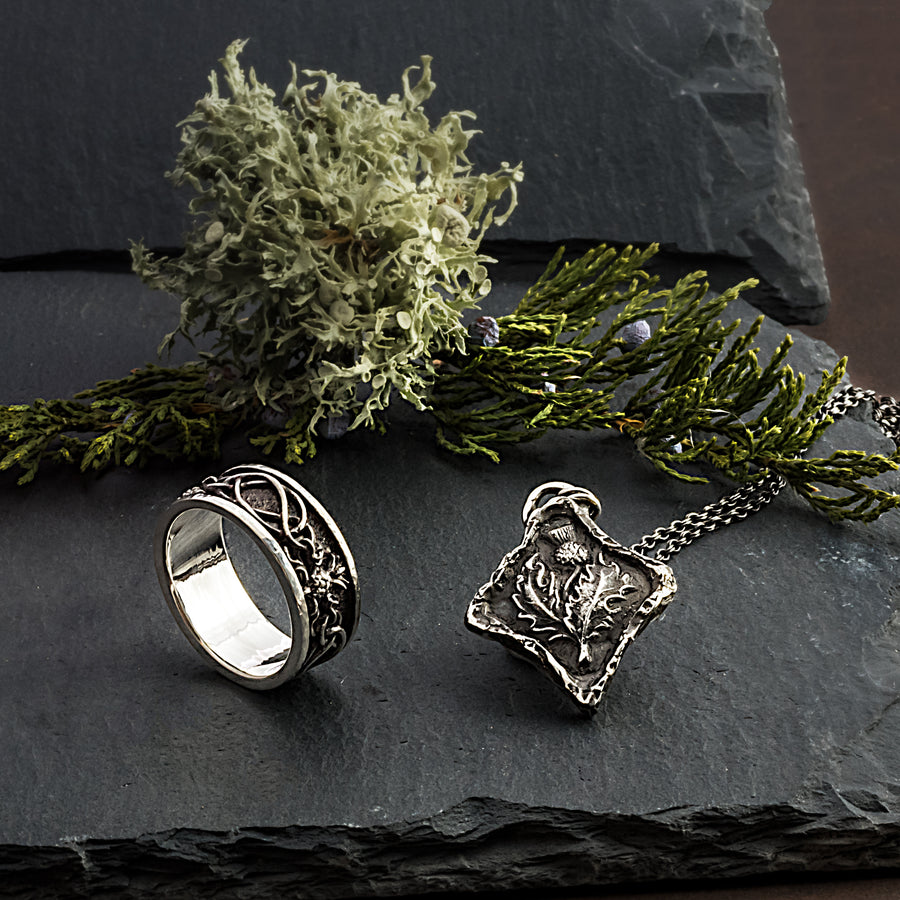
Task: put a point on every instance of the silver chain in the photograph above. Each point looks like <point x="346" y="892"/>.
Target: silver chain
<point x="665" y="542"/>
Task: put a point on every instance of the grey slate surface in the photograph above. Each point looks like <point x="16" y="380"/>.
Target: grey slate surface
<point x="637" y="120"/>
<point x="753" y="729"/>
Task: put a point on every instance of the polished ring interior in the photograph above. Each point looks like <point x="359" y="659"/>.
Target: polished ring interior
<point x="210" y="602"/>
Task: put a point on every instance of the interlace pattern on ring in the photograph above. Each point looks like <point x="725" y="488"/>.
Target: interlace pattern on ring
<point x="316" y="560"/>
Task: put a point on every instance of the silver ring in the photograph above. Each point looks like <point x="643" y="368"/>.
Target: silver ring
<point x="257" y="575"/>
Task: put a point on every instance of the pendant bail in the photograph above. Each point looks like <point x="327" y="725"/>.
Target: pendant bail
<point x="551" y="489"/>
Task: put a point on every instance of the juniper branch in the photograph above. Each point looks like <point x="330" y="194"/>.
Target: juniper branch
<point x="152" y="412"/>
<point x="705" y="396"/>
<point x="703" y="399"/>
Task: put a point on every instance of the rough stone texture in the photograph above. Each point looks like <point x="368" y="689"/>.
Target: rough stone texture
<point x="754" y="729"/>
<point x="637" y="120"/>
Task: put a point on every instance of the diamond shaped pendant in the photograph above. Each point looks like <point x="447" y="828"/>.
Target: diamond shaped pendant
<point x="569" y="599"/>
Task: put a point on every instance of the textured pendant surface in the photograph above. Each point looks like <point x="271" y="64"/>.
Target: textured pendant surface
<point x="569" y="598"/>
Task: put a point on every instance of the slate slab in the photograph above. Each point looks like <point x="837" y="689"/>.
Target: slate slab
<point x="754" y="729"/>
<point x="637" y="121"/>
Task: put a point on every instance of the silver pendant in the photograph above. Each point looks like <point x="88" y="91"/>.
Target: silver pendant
<point x="569" y="599"/>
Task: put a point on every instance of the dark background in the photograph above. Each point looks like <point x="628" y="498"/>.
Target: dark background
<point x="842" y="72"/>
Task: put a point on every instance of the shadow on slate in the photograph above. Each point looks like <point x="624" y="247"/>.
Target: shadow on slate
<point x="636" y="120"/>
<point x="754" y="729"/>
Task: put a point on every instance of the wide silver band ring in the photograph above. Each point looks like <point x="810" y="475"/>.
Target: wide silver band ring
<point x="257" y="575"/>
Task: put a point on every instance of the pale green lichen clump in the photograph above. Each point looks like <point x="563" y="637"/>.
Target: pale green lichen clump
<point x="335" y="242"/>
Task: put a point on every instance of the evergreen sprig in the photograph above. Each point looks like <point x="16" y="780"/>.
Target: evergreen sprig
<point x="698" y="394"/>
<point x="701" y="399"/>
<point x="555" y="366"/>
<point x="151" y="413"/>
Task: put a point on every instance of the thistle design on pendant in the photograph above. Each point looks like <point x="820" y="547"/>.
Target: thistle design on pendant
<point x="570" y="599"/>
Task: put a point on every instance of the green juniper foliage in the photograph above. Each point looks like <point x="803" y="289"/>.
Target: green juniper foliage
<point x="701" y="399"/>
<point x="153" y="412"/>
<point x="702" y="396"/>
<point x="331" y="256"/>
<point x="335" y="241"/>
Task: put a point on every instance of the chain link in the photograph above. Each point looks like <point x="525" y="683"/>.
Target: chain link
<point x="752" y="497"/>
